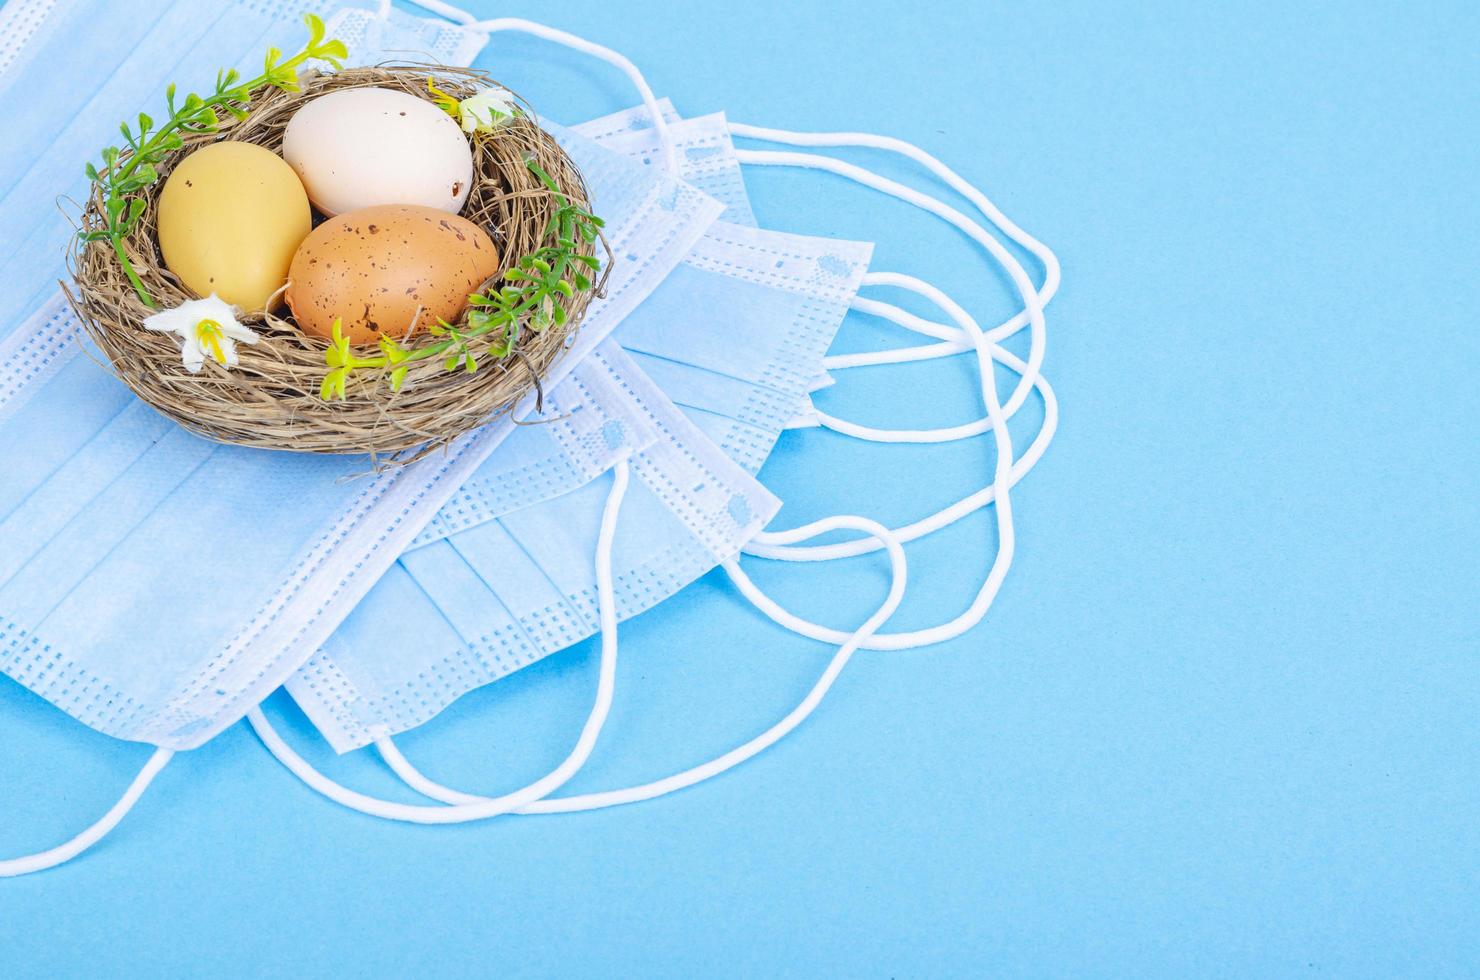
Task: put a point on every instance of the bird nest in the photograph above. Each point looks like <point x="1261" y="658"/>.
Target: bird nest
<point x="272" y="397"/>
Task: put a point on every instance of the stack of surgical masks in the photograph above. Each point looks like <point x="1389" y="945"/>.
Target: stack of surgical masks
<point x="157" y="587"/>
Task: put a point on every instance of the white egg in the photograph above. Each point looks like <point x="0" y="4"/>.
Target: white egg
<point x="364" y="147"/>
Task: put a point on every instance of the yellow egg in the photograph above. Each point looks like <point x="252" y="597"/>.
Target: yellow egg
<point x="231" y="215"/>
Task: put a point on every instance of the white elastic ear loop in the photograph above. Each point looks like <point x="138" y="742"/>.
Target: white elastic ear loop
<point x="575" y="43"/>
<point x="1001" y="482"/>
<point x="966" y="505"/>
<point x="1051" y="271"/>
<point x="494" y="806"/>
<point x="1020" y="467"/>
<point x="410" y="775"/>
<point x="31" y="863"/>
<point x="958" y="343"/>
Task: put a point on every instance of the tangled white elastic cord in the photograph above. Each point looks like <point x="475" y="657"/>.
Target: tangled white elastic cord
<point x="970" y="333"/>
<point x="415" y="779"/>
<point x="466" y="807"/>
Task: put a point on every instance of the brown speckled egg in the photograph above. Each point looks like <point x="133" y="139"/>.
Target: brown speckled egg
<point x="392" y="269"/>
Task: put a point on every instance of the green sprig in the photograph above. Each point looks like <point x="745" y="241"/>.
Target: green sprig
<point x="528" y="298"/>
<point x="129" y="169"/>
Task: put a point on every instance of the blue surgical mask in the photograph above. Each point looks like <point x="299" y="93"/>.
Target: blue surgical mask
<point x="155" y="585"/>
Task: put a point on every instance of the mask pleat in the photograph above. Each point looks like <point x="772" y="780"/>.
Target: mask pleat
<point x="523" y="583"/>
<point x="405" y="619"/>
<point x="458" y="592"/>
<point x="61" y="420"/>
<point x="100" y="525"/>
<point x="696" y="387"/>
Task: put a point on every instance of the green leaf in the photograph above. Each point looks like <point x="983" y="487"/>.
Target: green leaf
<point x="334" y="384"/>
<point x="315" y="28"/>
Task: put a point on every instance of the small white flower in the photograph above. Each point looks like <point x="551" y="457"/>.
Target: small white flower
<point x="487" y="109"/>
<point x="206" y="326"/>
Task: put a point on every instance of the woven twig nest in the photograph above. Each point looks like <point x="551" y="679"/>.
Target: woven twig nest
<point x="271" y="399"/>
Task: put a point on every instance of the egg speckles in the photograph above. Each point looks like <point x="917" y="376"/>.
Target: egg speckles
<point x="391" y="270"/>
<point x="363" y="147"/>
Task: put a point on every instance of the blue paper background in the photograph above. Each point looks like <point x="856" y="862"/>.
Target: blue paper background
<point x="1223" y="718"/>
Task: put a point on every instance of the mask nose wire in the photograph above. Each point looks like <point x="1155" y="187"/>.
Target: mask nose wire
<point x="61" y="854"/>
<point x="899" y="574"/>
<point x="493" y="806"/>
<point x="614" y="58"/>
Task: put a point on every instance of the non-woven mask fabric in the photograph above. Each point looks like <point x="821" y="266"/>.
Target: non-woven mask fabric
<point x="513" y="582"/>
<point x="705" y="152"/>
<point x="156" y="586"/>
<point x="382" y="33"/>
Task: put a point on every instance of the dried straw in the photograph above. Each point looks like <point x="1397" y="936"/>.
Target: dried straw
<point x="271" y="398"/>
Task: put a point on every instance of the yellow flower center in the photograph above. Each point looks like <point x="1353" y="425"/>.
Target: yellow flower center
<point x="208" y="334"/>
